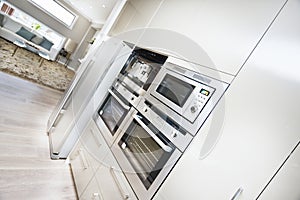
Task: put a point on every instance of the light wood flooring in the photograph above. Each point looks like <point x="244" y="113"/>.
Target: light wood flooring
<point x="26" y="170"/>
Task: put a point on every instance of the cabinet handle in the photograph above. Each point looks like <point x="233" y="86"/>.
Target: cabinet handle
<point x="52" y="129"/>
<point x="97" y="196"/>
<point x="124" y="194"/>
<point x="83" y="159"/>
<point x="95" y="138"/>
<point x="237" y="194"/>
<point x="126" y="107"/>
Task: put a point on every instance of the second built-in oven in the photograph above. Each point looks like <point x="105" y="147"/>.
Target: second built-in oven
<point x="140" y="69"/>
<point x="147" y="150"/>
<point x="113" y="112"/>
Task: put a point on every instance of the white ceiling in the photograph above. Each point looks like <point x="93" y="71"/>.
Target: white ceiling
<point x="96" y="11"/>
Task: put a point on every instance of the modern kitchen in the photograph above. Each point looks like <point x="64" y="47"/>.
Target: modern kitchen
<point x="185" y="100"/>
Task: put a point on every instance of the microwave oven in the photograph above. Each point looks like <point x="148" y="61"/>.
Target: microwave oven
<point x="185" y="96"/>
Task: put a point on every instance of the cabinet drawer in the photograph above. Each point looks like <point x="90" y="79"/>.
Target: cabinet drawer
<point x="87" y="156"/>
<point x="94" y="144"/>
<point x="92" y="191"/>
<point x="81" y="168"/>
<point x="112" y="181"/>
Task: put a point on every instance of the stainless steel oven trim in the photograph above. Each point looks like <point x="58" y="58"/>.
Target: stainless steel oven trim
<point x="103" y="127"/>
<point x="126" y="107"/>
<point x="132" y="85"/>
<point x="192" y="128"/>
<point x="197" y="87"/>
<point x="159" y="142"/>
<point x="178" y="139"/>
<point x="130" y="173"/>
<point x="126" y="94"/>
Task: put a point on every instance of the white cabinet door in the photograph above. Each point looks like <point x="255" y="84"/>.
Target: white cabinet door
<point x="87" y="156"/>
<point x="92" y="160"/>
<point x="100" y="72"/>
<point x="112" y="181"/>
<point x="61" y="127"/>
<point x="253" y="128"/>
<point x="286" y="183"/>
<point x="217" y="34"/>
<point x="92" y="191"/>
<point x="95" y="145"/>
<point x="81" y="168"/>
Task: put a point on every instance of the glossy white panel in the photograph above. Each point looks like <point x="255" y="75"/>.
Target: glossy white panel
<point x="286" y="183"/>
<point x="257" y="123"/>
<point x="226" y="30"/>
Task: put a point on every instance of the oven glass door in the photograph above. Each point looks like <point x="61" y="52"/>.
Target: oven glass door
<point x="113" y="111"/>
<point x="146" y="149"/>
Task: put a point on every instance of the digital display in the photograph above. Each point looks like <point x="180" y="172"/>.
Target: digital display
<point x="204" y="92"/>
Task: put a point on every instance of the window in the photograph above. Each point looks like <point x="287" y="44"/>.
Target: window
<point x="32" y="24"/>
<point x="57" y="11"/>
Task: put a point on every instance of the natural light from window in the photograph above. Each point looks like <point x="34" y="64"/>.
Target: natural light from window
<point x="55" y="9"/>
<point x="42" y="29"/>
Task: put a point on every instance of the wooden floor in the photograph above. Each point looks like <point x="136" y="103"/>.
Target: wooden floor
<point x="26" y="170"/>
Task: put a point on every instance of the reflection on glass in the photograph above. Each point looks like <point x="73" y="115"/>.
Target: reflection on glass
<point x="145" y="155"/>
<point x="175" y="89"/>
<point x="112" y="114"/>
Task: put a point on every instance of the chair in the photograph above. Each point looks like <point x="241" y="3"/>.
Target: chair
<point x="66" y="51"/>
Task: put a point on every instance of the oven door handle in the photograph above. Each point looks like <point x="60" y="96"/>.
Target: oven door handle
<point x="119" y="100"/>
<point x="159" y="142"/>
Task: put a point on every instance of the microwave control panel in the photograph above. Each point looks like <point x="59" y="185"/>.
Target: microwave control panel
<point x="198" y="102"/>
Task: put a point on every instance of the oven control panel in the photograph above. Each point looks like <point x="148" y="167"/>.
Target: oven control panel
<point x="198" y="102"/>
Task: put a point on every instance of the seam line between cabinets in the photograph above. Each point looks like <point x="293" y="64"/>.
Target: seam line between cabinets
<point x="261" y="38"/>
<point x="278" y="170"/>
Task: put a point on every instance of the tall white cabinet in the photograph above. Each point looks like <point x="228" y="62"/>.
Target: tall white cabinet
<point x="285" y="184"/>
<point x="78" y="104"/>
<point x="247" y="148"/>
<point x="227" y="31"/>
<point x="258" y="125"/>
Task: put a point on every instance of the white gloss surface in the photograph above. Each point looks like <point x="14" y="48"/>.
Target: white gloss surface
<point x="260" y="127"/>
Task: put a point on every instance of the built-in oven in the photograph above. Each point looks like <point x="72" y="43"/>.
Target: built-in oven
<point x="135" y="77"/>
<point x="184" y="95"/>
<point x="140" y="70"/>
<point x="147" y="149"/>
<point x="114" y="110"/>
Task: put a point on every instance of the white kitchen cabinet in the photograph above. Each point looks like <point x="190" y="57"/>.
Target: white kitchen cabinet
<point x="254" y="127"/>
<point x="112" y="181"/>
<point x="85" y="95"/>
<point x="87" y="156"/>
<point x="217" y="34"/>
<point x="94" y="144"/>
<point x="285" y="184"/>
<point x="81" y="167"/>
<point x="95" y="170"/>
<point x="92" y="191"/>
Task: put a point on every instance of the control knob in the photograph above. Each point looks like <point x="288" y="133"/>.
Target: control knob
<point x="174" y="134"/>
<point x="194" y="108"/>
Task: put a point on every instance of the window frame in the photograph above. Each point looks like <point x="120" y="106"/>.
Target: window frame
<point x="53" y="16"/>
